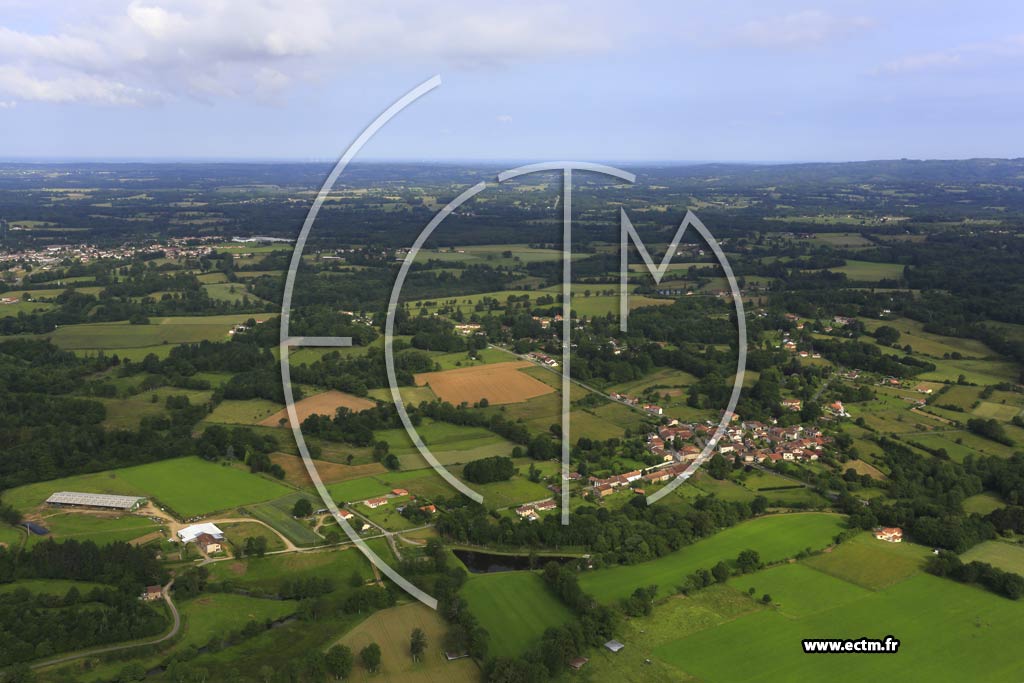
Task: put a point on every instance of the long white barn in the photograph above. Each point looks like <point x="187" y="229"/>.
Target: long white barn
<point x="95" y="500"/>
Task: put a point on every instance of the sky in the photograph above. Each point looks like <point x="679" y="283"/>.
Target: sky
<point x="694" y="80"/>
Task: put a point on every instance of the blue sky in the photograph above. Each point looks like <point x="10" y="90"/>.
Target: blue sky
<point x="674" y="81"/>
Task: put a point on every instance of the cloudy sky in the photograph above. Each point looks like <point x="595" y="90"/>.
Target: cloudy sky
<point x="603" y="81"/>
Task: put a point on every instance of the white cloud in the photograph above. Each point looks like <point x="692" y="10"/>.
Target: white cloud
<point x="809" y="28"/>
<point x="966" y="55"/>
<point x="504" y="118"/>
<point x="237" y="48"/>
<point x="921" y="62"/>
<point x="65" y="89"/>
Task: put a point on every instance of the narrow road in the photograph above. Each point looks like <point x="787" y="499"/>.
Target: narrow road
<point x="176" y="626"/>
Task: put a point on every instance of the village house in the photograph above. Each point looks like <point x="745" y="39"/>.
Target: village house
<point x="208" y="543"/>
<point x="890" y="534"/>
<point x="152" y="593"/>
<point x="793" y="404"/>
<point x="374" y="503"/>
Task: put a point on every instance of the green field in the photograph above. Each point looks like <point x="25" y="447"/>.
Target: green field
<point x="267" y="573"/>
<point x="868" y="271"/>
<point x="983" y="503"/>
<point x="514" y="607"/>
<point x="775" y="537"/>
<point x="278" y="514"/>
<point x="100" y="530"/>
<point x="1006" y="556"/>
<point x="868" y="562"/>
<point x="173" y="330"/>
<point x="243" y="412"/>
<point x="237" y="532"/>
<point x="190" y="486"/>
<point x="948" y="632"/>
<point x="936" y="345"/>
<point x="215" y="614"/>
<point x="127" y="413"/>
<point x="797" y="590"/>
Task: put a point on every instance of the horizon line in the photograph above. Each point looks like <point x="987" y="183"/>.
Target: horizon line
<point x="457" y="160"/>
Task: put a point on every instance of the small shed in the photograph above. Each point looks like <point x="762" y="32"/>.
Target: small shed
<point x="578" y="663"/>
<point x="614" y="645"/>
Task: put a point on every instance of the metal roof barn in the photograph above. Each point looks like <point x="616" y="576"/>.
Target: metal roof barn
<point x="96" y="500"/>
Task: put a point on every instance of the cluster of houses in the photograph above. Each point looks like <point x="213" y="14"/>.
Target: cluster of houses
<point x="543" y="359"/>
<point x="467" y="329"/>
<point x="374" y="503"/>
<point x="752" y="441"/>
<point x="651" y="408"/>
<point x="545" y="322"/>
<point x="530" y="510"/>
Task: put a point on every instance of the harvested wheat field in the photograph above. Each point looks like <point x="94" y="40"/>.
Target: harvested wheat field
<point x="326" y="403"/>
<point x="497" y="382"/>
<point x="330" y="472"/>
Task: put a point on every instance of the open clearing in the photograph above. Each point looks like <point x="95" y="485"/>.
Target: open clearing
<point x="775" y="537"/>
<point x="514" y="607"/>
<point x="390" y="628"/>
<point x="326" y="403"/>
<point x="498" y="383"/>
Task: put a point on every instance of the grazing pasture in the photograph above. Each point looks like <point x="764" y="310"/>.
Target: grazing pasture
<point x="215" y="614"/>
<point x="189" y="486"/>
<point x="775" y="537"/>
<point x="515" y="607"/>
<point x="278" y="514"/>
<point x="797" y="590"/>
<point x="267" y="573"/>
<point x="1006" y="556"/>
<point x="868" y="562"/>
<point x="983" y="503"/>
<point x="948" y="632"/>
<point x="172" y="330"/>
<point x="98" y="528"/>
<point x="254" y="411"/>
<point x="498" y="383"/>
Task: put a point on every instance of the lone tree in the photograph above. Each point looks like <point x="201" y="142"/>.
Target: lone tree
<point x="417" y="643"/>
<point x="748" y="561"/>
<point x="370" y="657"/>
<point x="339" y="661"/>
<point x="302" y="508"/>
